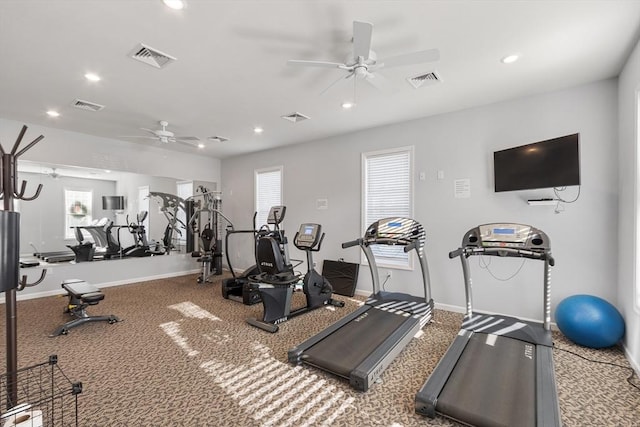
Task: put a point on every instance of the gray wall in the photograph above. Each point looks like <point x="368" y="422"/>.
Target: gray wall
<point x="461" y="145"/>
<point x="628" y="286"/>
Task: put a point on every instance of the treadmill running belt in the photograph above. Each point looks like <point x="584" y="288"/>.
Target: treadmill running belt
<point x="493" y="383"/>
<point x="353" y="342"/>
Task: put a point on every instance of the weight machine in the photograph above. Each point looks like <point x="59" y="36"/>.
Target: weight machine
<point x="205" y="222"/>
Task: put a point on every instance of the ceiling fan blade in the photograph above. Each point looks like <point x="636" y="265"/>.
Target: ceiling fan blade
<point x="379" y="82"/>
<point x="190" y="143"/>
<point x="362" y="39"/>
<point x="419" y="57"/>
<point x="187" y="138"/>
<point x="324" y="64"/>
<point x="138" y="136"/>
<point x="347" y="77"/>
<point x="151" y="131"/>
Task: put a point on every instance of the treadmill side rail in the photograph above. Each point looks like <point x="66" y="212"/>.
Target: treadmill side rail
<point x="427" y="398"/>
<point x="366" y="373"/>
<point x="548" y="407"/>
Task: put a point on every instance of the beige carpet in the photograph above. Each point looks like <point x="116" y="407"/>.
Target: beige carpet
<point x="184" y="356"/>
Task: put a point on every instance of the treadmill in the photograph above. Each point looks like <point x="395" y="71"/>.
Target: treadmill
<point x="361" y="346"/>
<point x="499" y="370"/>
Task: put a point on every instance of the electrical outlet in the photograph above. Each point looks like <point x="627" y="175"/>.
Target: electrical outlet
<point x="388" y="274"/>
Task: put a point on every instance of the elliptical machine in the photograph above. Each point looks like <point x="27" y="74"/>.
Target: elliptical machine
<point x="277" y="281"/>
<point x="238" y="288"/>
<point x="141" y="246"/>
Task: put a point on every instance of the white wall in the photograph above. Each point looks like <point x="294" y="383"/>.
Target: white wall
<point x="461" y="144"/>
<point x="75" y="149"/>
<point x="629" y="87"/>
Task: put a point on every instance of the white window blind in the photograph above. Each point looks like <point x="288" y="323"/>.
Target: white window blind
<point x="78" y="207"/>
<point x="388" y="190"/>
<point x="268" y="192"/>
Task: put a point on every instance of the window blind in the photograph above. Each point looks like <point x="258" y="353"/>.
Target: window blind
<point x="387" y="193"/>
<point x="268" y="190"/>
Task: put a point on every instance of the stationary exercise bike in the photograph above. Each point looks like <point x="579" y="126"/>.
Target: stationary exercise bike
<point x="277" y="282"/>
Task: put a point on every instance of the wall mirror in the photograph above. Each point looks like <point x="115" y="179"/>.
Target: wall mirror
<point x="73" y="198"/>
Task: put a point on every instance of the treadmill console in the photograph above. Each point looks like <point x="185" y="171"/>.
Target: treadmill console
<point x="395" y="231"/>
<point x="308" y="236"/>
<point x="507" y="235"/>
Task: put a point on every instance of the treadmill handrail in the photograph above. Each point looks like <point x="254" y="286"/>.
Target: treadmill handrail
<point x="544" y="255"/>
<point x="352" y="243"/>
<point x="502" y="251"/>
<point x="409" y="244"/>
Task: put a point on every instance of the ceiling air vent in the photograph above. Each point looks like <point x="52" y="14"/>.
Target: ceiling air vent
<point x="217" y="138"/>
<point x="295" y="117"/>
<point x="424" y="79"/>
<point x="151" y="56"/>
<point x="86" y="105"/>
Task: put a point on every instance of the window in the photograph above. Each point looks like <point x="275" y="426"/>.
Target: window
<point x="637" y="201"/>
<point x="78" y="206"/>
<point x="268" y="192"/>
<point x="387" y="191"/>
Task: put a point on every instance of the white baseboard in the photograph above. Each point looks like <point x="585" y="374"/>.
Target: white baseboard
<point x="633" y="363"/>
<point x="61" y="291"/>
<point x="460" y="309"/>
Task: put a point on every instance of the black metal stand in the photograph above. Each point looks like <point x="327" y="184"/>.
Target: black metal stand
<point x="10" y="253"/>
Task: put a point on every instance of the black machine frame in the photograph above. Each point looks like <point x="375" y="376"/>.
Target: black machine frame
<point x="276" y="284"/>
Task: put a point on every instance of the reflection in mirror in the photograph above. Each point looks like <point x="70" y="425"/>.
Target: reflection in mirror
<point x="103" y="210"/>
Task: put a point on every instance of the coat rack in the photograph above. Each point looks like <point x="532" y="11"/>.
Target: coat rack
<point x="10" y="280"/>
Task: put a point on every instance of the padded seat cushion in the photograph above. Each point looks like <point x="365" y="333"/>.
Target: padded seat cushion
<point x="83" y="290"/>
<point x="92" y="298"/>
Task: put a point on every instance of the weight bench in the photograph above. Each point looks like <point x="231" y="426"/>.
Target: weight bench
<point x="81" y="295"/>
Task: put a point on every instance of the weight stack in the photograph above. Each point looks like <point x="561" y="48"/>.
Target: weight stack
<point x="9" y="250"/>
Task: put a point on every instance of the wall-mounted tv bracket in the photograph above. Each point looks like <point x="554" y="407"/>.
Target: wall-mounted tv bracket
<point x="10" y="282"/>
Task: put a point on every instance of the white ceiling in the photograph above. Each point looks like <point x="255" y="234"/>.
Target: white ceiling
<point x="231" y="72"/>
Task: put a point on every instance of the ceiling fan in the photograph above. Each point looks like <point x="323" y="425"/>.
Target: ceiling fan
<point x="165" y="136"/>
<point x="363" y="63"/>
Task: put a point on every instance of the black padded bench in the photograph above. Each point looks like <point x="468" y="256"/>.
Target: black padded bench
<point x="81" y="295"/>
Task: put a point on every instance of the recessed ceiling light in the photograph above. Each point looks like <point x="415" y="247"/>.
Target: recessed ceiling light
<point x="258" y="129"/>
<point x="92" y="77"/>
<point x="510" y="59"/>
<point x="347" y="105"/>
<point x="107" y="171"/>
<point x="174" y="4"/>
<point x="201" y="145"/>
<point x="52" y="113"/>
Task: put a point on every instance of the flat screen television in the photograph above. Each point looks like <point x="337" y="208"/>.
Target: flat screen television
<point x="545" y="164"/>
<point x="115" y="203"/>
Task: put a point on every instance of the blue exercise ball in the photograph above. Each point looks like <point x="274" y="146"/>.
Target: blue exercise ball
<point x="589" y="321"/>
